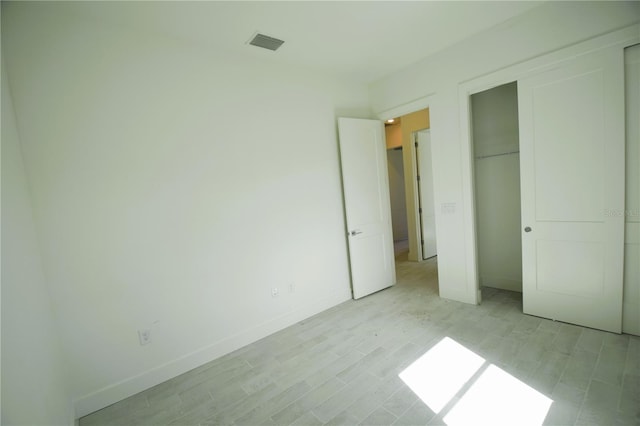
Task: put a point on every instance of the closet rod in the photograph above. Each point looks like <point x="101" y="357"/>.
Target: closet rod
<point x="497" y="155"/>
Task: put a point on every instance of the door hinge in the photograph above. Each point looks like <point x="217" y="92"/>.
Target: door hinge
<point x="420" y="210"/>
<point x="418" y="178"/>
<point x="416" y="142"/>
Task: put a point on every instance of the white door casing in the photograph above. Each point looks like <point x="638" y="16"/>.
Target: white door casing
<point x="427" y="203"/>
<point x="631" y="301"/>
<point x="367" y="206"/>
<point x="572" y="190"/>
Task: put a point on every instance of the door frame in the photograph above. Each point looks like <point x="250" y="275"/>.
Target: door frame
<point x="419" y="200"/>
<point x="413" y="217"/>
<point x="617" y="39"/>
<point x="423" y="170"/>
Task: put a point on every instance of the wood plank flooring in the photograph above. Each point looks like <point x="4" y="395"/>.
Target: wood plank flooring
<point x="342" y="367"/>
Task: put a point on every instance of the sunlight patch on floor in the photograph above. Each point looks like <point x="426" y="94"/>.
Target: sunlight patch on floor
<point x="498" y="398"/>
<point x="440" y="373"/>
<point x="494" y="398"/>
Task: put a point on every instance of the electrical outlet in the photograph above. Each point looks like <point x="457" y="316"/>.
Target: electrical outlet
<point x="144" y="336"/>
<point x="275" y="292"/>
<point x="292" y="288"/>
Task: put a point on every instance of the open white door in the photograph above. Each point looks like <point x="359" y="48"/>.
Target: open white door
<point x="368" y="212"/>
<point x="427" y="204"/>
<point x="572" y="190"/>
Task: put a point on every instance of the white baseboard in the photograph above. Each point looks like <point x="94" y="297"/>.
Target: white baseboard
<point x="502" y="283"/>
<point x="113" y="393"/>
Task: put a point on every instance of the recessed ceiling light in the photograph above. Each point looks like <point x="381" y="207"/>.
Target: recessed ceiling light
<point x="391" y="120"/>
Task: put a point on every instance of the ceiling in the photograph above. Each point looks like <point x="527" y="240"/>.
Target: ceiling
<point x="365" y="40"/>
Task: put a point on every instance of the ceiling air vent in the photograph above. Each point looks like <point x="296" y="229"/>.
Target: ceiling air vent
<point x="266" y="42"/>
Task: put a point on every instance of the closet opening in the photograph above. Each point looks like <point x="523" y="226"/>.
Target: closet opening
<point x="496" y="175"/>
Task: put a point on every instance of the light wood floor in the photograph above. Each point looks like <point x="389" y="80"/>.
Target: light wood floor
<point x="342" y="367"/>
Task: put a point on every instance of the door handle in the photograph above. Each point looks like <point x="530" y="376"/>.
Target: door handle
<point x="527" y="229"/>
<point x="355" y="232"/>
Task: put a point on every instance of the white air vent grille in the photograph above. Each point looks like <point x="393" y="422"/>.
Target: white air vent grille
<point x="266" y="42"/>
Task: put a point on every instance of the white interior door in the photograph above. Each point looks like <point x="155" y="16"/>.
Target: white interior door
<point x="427" y="205"/>
<point x="368" y="212"/>
<point x="572" y="190"/>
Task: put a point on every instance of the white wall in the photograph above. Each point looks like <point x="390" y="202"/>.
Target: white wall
<point x="550" y="27"/>
<point x="397" y="194"/>
<point x="173" y="187"/>
<point x="34" y="387"/>
<point x="631" y="307"/>
<point x="495" y="137"/>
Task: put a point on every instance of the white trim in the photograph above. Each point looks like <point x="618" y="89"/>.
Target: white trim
<point x="468" y="194"/>
<point x="111" y="394"/>
<point x="616" y="39"/>
<point x="416" y="194"/>
<point x="407" y="108"/>
<point x="398" y="111"/>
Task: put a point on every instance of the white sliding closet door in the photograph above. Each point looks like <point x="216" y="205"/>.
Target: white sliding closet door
<point x="572" y="190"/>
